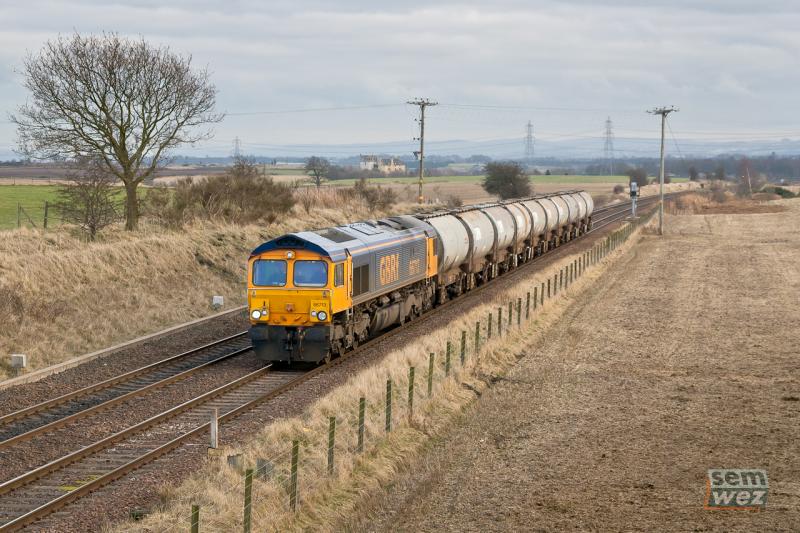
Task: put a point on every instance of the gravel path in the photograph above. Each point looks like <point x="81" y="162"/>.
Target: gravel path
<point x="685" y="359"/>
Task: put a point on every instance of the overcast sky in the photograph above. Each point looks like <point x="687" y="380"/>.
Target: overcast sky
<point x="731" y="66"/>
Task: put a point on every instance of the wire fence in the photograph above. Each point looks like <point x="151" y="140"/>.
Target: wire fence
<point x="39" y="215"/>
<point x="303" y="470"/>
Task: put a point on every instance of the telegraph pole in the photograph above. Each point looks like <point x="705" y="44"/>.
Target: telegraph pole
<point x="663" y="111"/>
<point x="422" y="103"/>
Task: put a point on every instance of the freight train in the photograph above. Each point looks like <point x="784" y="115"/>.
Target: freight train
<point x="314" y="295"/>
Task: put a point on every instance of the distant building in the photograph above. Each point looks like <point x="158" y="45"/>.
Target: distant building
<point x="385" y="166"/>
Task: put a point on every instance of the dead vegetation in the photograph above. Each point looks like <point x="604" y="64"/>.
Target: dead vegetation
<point x="720" y="198"/>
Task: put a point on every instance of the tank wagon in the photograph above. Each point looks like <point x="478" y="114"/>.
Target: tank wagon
<point x="314" y="295"/>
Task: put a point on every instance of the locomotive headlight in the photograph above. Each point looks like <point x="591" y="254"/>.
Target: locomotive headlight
<point x="290" y="255"/>
<point x="322" y="316"/>
<point x="256" y="314"/>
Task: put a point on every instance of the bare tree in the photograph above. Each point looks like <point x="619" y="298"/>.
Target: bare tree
<point x="88" y="200"/>
<point x="121" y="102"/>
<point x="318" y="167"/>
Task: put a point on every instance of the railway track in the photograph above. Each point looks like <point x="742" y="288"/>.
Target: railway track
<point x="26" y="423"/>
<point x="44" y="490"/>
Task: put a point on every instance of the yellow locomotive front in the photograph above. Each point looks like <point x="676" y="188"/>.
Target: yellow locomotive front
<point x="292" y="297"/>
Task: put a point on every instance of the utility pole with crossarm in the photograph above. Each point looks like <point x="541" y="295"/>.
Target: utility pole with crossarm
<point x="663" y="111"/>
<point x="422" y="103"/>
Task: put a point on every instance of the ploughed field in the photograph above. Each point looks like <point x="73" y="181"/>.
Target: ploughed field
<point x="682" y="358"/>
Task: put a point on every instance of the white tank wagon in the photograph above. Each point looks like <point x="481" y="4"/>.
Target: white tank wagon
<point x="477" y="243"/>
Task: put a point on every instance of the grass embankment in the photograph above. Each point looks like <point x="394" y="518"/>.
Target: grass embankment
<point x="334" y="502"/>
<point x="61" y="297"/>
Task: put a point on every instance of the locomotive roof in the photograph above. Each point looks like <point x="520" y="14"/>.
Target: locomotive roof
<point x="336" y="242"/>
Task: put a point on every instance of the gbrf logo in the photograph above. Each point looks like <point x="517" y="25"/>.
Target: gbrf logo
<point x="736" y="488"/>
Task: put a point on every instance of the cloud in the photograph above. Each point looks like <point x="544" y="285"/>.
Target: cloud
<point x="610" y="57"/>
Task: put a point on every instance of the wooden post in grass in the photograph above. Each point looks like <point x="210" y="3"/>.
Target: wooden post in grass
<point x="528" y="304"/>
<point x="477" y="337"/>
<point x="541" y="292"/>
<point x="410" y="393"/>
<point x="388" y="405"/>
<point x="293" y="475"/>
<point x="331" y="442"/>
<point x="500" y="321"/>
<point x="362" y="408"/>
<point x="489" y="328"/>
<point x="510" y="313"/>
<point x="194" y="525"/>
<point x="447" y="360"/>
<point x="248" y="500"/>
<point x="463" y="347"/>
<point x="548" y="288"/>
<point x="430" y="375"/>
<point x="519" y="310"/>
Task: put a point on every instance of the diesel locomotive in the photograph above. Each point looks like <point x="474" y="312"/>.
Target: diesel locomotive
<point x="314" y="295"/>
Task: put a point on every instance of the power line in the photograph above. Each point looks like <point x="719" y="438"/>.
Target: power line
<point x="310" y="110"/>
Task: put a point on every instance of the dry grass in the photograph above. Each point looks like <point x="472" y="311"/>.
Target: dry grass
<point x="61" y="297"/>
<point x="327" y="501"/>
<point x="722" y="201"/>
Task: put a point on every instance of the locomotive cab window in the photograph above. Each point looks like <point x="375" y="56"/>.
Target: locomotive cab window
<point x="338" y="275"/>
<point x="269" y="273"/>
<point x="310" y="274"/>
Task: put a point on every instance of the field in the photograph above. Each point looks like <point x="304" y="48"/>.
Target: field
<point x="32" y="199"/>
<point x="681" y="358"/>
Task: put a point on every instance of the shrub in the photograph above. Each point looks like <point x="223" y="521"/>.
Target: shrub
<point x="239" y="196"/>
<point x="780" y="191"/>
<point x="376" y="198"/>
<point x="506" y="180"/>
<point x="619" y="189"/>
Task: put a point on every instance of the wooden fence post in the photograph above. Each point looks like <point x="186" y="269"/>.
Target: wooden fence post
<point x="528" y="303"/>
<point x="447" y="360"/>
<point x="46" y="212"/>
<point x="489" y="328"/>
<point x="410" y="393"/>
<point x="388" y="405"/>
<point x="541" y="292"/>
<point x="510" y="313"/>
<point x="519" y="310"/>
<point x="195" y="522"/>
<point x="293" y="475"/>
<point x="430" y="375"/>
<point x="248" y="500"/>
<point x="362" y="407"/>
<point x="500" y="321"/>
<point x="331" y="443"/>
<point x="463" y="347"/>
<point x="477" y="336"/>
